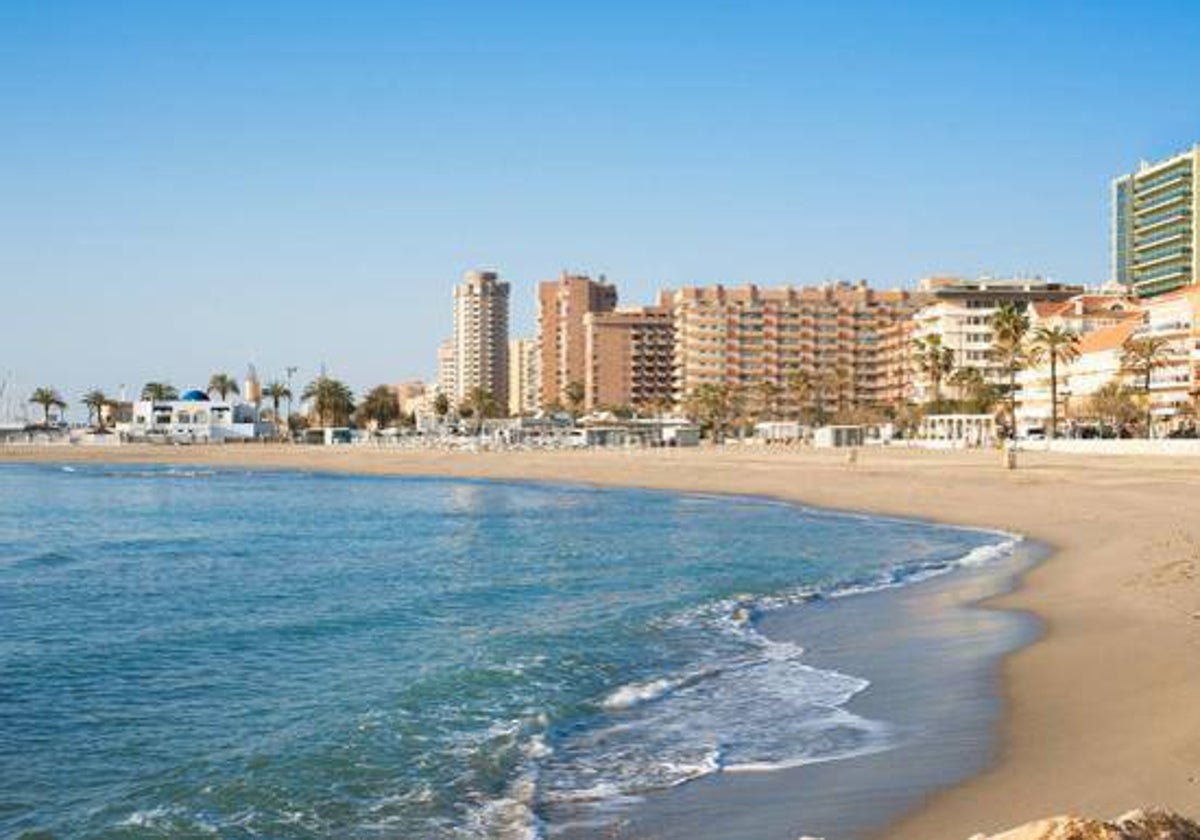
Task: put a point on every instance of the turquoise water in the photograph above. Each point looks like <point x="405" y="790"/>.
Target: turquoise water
<point x="190" y="653"/>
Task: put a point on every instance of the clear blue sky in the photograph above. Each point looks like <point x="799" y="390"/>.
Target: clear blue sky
<point x="185" y="186"/>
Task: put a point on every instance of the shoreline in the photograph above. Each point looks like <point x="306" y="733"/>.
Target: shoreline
<point x="1097" y="713"/>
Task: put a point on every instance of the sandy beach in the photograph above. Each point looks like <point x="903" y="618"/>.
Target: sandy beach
<point x="1100" y="714"/>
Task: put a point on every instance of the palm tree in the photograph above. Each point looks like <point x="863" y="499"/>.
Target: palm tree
<point x="799" y="390"/>
<point x="575" y="392"/>
<point x="1113" y="406"/>
<point x="934" y="361"/>
<point x="1010" y="325"/>
<point x="159" y="392"/>
<point x="276" y="392"/>
<point x="1141" y="357"/>
<point x="715" y="406"/>
<point x="332" y="400"/>
<point x="1056" y="345"/>
<point x="95" y="400"/>
<point x="47" y="398"/>
<point x="767" y="394"/>
<point x="380" y="406"/>
<point x="441" y="405"/>
<point x="223" y="384"/>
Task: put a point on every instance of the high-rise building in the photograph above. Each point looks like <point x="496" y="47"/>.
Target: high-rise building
<point x="630" y="358"/>
<point x="562" y="340"/>
<point x="447" y="368"/>
<point x="481" y="336"/>
<point x="960" y="312"/>
<point x="837" y="338"/>
<point x="524" y="381"/>
<point x="1155" y="236"/>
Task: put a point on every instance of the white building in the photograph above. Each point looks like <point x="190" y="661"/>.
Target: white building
<point x="481" y="336"/>
<point x="962" y="315"/>
<point x="192" y="418"/>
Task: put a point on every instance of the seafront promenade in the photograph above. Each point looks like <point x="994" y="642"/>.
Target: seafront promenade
<point x="1099" y="713"/>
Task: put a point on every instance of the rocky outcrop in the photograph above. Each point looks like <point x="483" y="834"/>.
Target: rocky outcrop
<point x="1136" y="825"/>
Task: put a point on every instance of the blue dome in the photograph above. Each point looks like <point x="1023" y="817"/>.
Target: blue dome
<point x="194" y="395"/>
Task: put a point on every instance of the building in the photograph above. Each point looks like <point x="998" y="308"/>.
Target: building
<point x="841" y="337"/>
<point x="411" y="396"/>
<point x="1155" y="236"/>
<point x="961" y="311"/>
<point x="1085" y="313"/>
<point x="192" y="418"/>
<point x="481" y="336"/>
<point x="447" y="368"/>
<point x="1175" y="318"/>
<point x="562" y="343"/>
<point x="629" y="358"/>
<point x="1098" y="364"/>
<point x="524" y="379"/>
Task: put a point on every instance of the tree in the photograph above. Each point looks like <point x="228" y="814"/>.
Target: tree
<point x="767" y="396"/>
<point x="223" y="384"/>
<point x="380" y="407"/>
<point x="799" y="390"/>
<point x="159" y="392"/>
<point x="332" y="400"/>
<point x="1113" y="405"/>
<point x="1056" y="345"/>
<point x="1010" y="325"/>
<point x="47" y="398"/>
<point x="441" y="405"/>
<point x="975" y="394"/>
<point x="276" y="392"/>
<point x="934" y="361"/>
<point x="715" y="406"/>
<point x="575" y="393"/>
<point x="95" y="400"/>
<point x="1140" y="357"/>
<point x="479" y="404"/>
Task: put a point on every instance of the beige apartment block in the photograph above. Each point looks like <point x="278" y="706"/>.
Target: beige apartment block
<point x="961" y="313"/>
<point x="630" y="358"/>
<point x="844" y="338"/>
<point x="447" y="368"/>
<point x="562" y="342"/>
<point x="524" y="379"/>
<point x="481" y="336"/>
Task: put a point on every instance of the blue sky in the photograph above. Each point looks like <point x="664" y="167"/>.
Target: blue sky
<point x="186" y="186"/>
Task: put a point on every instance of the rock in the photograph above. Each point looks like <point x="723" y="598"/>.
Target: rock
<point x="1136" y="825"/>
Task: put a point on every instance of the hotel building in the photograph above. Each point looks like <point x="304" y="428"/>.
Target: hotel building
<point x="629" y="358"/>
<point x="961" y="313"/>
<point x="481" y="336"/>
<point x="562" y="341"/>
<point x="1155" y="237"/>
<point x="844" y="336"/>
<point x="524" y="381"/>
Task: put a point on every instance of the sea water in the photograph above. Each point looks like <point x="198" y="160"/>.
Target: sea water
<point x="189" y="652"/>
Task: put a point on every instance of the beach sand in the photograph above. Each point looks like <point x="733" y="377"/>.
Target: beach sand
<point x="1100" y="715"/>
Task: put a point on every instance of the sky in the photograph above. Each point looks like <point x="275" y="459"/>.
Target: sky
<point x="188" y="187"/>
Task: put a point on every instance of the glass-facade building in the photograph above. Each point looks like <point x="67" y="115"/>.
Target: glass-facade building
<point x="1154" y="231"/>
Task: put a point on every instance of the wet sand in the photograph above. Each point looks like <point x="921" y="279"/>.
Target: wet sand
<point x="1099" y="715"/>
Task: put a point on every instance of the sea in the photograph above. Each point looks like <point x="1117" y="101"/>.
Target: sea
<point x="189" y="652"/>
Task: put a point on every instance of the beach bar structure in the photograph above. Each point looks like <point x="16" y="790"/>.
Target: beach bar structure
<point x="839" y="437"/>
<point x="959" y="430"/>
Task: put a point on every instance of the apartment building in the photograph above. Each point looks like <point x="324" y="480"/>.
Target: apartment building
<point x="447" y="368"/>
<point x="630" y="358"/>
<point x="562" y="340"/>
<point x="524" y="379"/>
<point x="843" y="337"/>
<point x="1085" y="313"/>
<point x="481" y="336"/>
<point x="961" y="310"/>
<point x="1155" y="236"/>
<point x="1175" y="318"/>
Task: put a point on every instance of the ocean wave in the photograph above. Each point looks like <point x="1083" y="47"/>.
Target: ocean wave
<point x="759" y="708"/>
